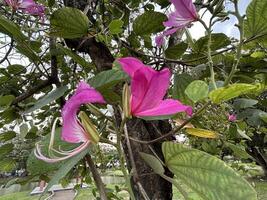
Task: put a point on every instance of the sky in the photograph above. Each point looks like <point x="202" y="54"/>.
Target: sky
<point x="226" y="27"/>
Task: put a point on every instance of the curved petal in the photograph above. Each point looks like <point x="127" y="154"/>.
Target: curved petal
<point x="148" y="88"/>
<point x="39" y="155"/>
<point x="178" y="21"/>
<point x="130" y="65"/>
<point x="72" y="131"/>
<point x="185" y="8"/>
<point x="167" y="107"/>
<point x="24" y="4"/>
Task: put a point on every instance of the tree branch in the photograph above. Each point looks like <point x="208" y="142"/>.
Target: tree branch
<point x="100" y="185"/>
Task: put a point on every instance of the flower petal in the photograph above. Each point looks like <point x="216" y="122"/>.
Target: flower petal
<point x="130" y="65"/>
<point x="24" y="4"/>
<point x="72" y="131"/>
<point x="167" y="107"/>
<point x="39" y="155"/>
<point x="185" y="8"/>
<point x="148" y="88"/>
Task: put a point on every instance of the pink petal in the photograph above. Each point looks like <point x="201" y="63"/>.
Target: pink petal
<point x="166" y="107"/>
<point x="185" y="8"/>
<point x="24" y="4"/>
<point x="159" y="40"/>
<point x="148" y="88"/>
<point x="72" y="131"/>
<point x="130" y="65"/>
<point x="232" y="117"/>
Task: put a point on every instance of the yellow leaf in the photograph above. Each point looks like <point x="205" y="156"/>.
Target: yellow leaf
<point x="201" y="133"/>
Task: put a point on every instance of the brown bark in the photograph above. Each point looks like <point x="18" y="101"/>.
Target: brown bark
<point x="154" y="185"/>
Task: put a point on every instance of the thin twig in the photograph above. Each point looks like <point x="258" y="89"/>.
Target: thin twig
<point x="172" y="132"/>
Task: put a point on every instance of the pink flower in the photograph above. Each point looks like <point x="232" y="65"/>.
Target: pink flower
<point x="185" y="13"/>
<point x="148" y="88"/>
<point x="231" y="117"/>
<point x="72" y="129"/>
<point x="27" y="6"/>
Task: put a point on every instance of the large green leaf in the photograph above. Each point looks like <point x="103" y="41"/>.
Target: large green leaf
<point x="149" y="22"/>
<point x="52" y="96"/>
<point x="69" y="23"/>
<point x="206" y="175"/>
<point x="64" y="169"/>
<point x="175" y="52"/>
<point x="181" y="81"/>
<point x="256" y="22"/>
<point x="197" y="90"/>
<point x="232" y="91"/>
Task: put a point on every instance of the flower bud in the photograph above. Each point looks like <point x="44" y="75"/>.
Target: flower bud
<point x="89" y="127"/>
<point x="126" y="101"/>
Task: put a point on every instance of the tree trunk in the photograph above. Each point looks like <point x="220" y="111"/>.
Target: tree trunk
<point x="154" y="186"/>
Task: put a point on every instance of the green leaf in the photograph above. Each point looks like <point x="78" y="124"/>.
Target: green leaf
<point x="197" y="90"/>
<point x="10" y="28"/>
<point x="6" y="100"/>
<point x="242" y="103"/>
<point x="52" y="96"/>
<point x="64" y="169"/>
<point x="146" y="24"/>
<point x="16" y="69"/>
<point x="7" y="165"/>
<point x="6" y="149"/>
<point x="153" y="162"/>
<point x="206" y="175"/>
<point x="232" y="91"/>
<point x="7" y="136"/>
<point x="115" y="26"/>
<point x="218" y="41"/>
<point x="238" y="150"/>
<point x="69" y="23"/>
<point x="175" y="52"/>
<point x="256" y="21"/>
<point x="78" y="59"/>
<point x="107" y="78"/>
<point x="181" y="81"/>
<point x="263" y="116"/>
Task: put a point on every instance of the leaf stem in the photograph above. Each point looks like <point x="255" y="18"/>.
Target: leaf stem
<point x="239" y="47"/>
<point x="209" y="56"/>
